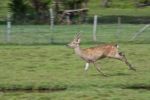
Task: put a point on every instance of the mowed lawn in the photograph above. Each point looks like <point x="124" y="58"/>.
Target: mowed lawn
<point x="54" y="72"/>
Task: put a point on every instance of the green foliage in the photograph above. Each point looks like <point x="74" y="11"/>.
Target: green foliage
<point x="60" y="6"/>
<point x="19" y="8"/>
<point x="119" y="7"/>
<point x="39" y="5"/>
<point x="30" y="10"/>
<point x="74" y="4"/>
<point x="40" y="9"/>
<point x="144" y="1"/>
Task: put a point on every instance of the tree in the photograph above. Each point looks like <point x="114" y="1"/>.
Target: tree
<point x="18" y="8"/>
<point x="60" y="6"/>
<point x="75" y="4"/>
<point x="41" y="9"/>
<point x="142" y="3"/>
<point x="106" y="3"/>
<point x="36" y="11"/>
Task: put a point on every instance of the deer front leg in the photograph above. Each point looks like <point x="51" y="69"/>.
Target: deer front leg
<point x="98" y="69"/>
<point x="86" y="66"/>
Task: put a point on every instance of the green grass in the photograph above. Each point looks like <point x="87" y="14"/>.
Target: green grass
<point x="119" y="7"/>
<point x="57" y="67"/>
<point x="120" y="11"/>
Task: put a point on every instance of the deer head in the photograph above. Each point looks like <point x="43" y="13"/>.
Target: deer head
<point x="76" y="41"/>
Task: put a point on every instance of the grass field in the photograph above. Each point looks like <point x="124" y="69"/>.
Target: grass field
<point x="119" y="7"/>
<point x="59" y="74"/>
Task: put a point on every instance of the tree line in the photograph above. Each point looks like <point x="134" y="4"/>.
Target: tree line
<point x="37" y="11"/>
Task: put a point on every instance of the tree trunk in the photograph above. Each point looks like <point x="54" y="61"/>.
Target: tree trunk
<point x="106" y="3"/>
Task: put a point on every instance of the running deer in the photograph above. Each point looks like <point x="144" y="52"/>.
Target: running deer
<point x="91" y="55"/>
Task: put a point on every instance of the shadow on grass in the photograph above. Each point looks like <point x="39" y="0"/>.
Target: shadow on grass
<point x="109" y="75"/>
<point x="137" y="87"/>
<point x="31" y="90"/>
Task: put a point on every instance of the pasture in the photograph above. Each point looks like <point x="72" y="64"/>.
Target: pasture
<point x="54" y="72"/>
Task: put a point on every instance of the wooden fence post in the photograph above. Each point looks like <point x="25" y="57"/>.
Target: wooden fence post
<point x="94" y="28"/>
<point x="119" y="27"/>
<point x="51" y="18"/>
<point x="8" y="29"/>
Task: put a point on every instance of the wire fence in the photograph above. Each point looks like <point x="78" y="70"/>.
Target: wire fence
<point x="62" y="34"/>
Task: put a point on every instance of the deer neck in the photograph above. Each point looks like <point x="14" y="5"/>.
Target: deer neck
<point x="78" y="50"/>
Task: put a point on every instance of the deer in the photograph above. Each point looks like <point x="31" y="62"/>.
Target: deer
<point x="92" y="54"/>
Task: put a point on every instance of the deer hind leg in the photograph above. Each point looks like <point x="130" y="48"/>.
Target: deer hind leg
<point x="123" y="58"/>
<point x="98" y="69"/>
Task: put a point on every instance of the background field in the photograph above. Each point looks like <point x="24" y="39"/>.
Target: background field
<point x="119" y="7"/>
<point x="55" y="69"/>
<point x="62" y="34"/>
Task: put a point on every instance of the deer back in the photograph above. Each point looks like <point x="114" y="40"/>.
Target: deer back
<point x="98" y="52"/>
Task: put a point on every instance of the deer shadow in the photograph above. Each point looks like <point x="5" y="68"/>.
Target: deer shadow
<point x="109" y="75"/>
<point x="137" y="87"/>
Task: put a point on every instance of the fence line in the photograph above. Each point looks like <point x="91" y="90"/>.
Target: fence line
<point x="140" y="32"/>
<point x="8" y="29"/>
<point x="119" y="27"/>
<point x="49" y="34"/>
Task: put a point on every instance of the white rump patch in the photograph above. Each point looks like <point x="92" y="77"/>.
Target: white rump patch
<point x="86" y="66"/>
